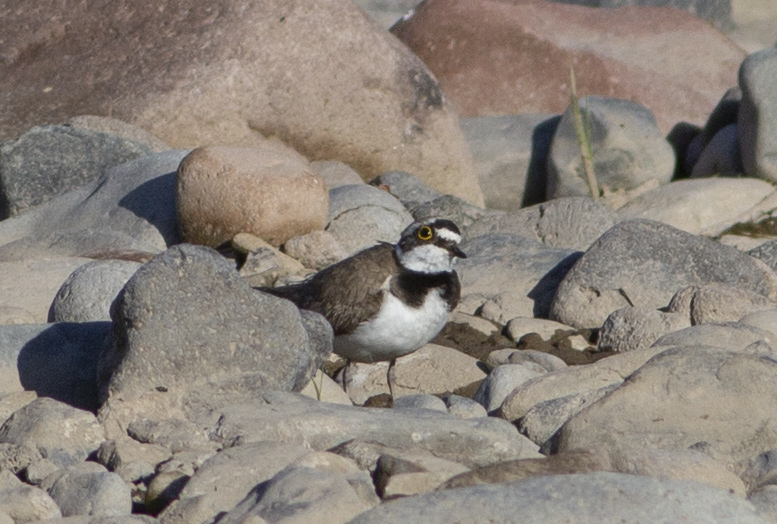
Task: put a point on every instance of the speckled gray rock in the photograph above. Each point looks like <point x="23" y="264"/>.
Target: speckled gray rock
<point x="55" y="360"/>
<point x="644" y="263"/>
<point x="758" y="114"/>
<point x="690" y="396"/>
<point x="165" y="336"/>
<point x="500" y="383"/>
<point x="700" y="206"/>
<point x="631" y="328"/>
<point x="518" y="276"/>
<point x="572" y="222"/>
<point x="406" y="187"/>
<point x="131" y="208"/>
<point x="628" y="149"/>
<point x="286" y="417"/>
<point x="61" y="433"/>
<point x="510" y="154"/>
<point x="360" y="216"/>
<point x="89" y="489"/>
<point x="583" y="498"/>
<point x="49" y="161"/>
<point x="88" y="292"/>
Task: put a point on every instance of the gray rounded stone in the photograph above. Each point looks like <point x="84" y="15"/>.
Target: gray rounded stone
<point x="500" y="383"/>
<point x="628" y="149"/>
<point x="88" y="292"/>
<point x="463" y="407"/>
<point x="88" y="491"/>
<point x="360" y="216"/>
<point x="63" y="434"/>
<point x="644" y="263"/>
<point x="407" y="187"/>
<point x="631" y="328"/>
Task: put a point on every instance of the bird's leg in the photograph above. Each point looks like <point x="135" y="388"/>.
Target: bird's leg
<point x="390" y="377"/>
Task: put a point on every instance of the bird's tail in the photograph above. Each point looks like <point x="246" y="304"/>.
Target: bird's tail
<point x="294" y="292"/>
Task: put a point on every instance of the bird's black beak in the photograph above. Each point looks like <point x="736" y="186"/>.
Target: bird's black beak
<point x="457" y="252"/>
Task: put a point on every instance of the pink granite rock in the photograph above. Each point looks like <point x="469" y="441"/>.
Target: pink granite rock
<point x="319" y="75"/>
<point x="504" y="57"/>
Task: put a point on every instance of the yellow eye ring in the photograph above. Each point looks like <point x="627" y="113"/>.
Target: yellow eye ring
<point x="425" y="233"/>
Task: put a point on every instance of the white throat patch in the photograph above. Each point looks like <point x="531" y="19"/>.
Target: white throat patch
<point x="426" y="259"/>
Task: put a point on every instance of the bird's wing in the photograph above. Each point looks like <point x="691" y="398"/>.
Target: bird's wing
<point x="354" y="288"/>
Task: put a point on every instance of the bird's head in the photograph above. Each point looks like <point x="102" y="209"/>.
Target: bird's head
<point x="429" y="246"/>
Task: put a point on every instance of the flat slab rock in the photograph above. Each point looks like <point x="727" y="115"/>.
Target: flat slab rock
<point x="592" y="498"/>
<point x="285" y="417"/>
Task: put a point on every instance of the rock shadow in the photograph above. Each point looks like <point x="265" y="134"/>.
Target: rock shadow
<point x="544" y="291"/>
<point x="154" y="201"/>
<point x="61" y="362"/>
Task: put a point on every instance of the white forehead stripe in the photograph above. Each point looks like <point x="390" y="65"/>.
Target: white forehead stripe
<point x="447" y="234"/>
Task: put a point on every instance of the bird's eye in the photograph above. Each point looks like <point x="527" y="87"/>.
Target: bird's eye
<point x="425" y="233"/>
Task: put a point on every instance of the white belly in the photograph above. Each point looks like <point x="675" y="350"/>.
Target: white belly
<point x="396" y="331"/>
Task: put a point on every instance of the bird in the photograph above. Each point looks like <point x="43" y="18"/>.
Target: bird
<point x="387" y="300"/>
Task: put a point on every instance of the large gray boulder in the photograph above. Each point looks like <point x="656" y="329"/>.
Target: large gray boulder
<point x="644" y="263"/>
<point x="131" y="208"/>
<point x="711" y="399"/>
<point x="510" y="276"/>
<point x="49" y="161"/>
<point x="187" y="324"/>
